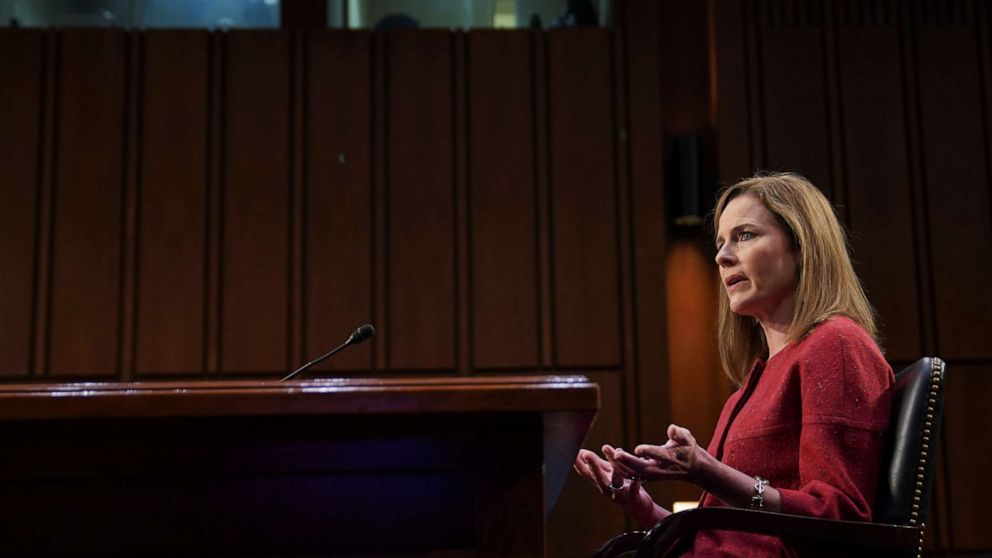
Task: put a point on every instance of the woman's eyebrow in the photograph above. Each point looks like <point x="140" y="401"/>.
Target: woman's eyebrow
<point x="738" y="227"/>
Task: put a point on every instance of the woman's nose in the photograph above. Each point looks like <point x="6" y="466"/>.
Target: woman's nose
<point x="724" y="255"/>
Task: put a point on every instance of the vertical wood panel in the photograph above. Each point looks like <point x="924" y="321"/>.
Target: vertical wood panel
<point x="215" y="137"/>
<point x="338" y="281"/>
<point x="43" y="253"/>
<point x="731" y="102"/>
<point x="681" y="54"/>
<point x="502" y="198"/>
<point x="879" y="201"/>
<point x="173" y="203"/>
<point x="648" y="384"/>
<point x="420" y="261"/>
<point x="957" y="189"/>
<point x="129" y="222"/>
<point x="583" y="193"/>
<point x="795" y="105"/>
<point x="625" y="241"/>
<point x="927" y="324"/>
<point x="966" y="428"/>
<point x="754" y="85"/>
<point x="297" y="233"/>
<point x="379" y="185"/>
<point x="88" y="204"/>
<point x="255" y="246"/>
<point x="462" y="232"/>
<point x="543" y="186"/>
<point x="20" y="110"/>
<point x="835" y="162"/>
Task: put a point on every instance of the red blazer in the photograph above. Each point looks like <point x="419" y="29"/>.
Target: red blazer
<point x="813" y="426"/>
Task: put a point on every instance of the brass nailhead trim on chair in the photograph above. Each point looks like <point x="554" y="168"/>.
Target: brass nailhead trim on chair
<point x="936" y="377"/>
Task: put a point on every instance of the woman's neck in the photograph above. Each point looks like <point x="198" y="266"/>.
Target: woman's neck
<point x="777" y="324"/>
<point x="776" y="336"/>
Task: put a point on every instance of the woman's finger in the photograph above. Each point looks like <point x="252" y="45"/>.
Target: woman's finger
<point x="680" y="435"/>
<point x="591" y="473"/>
<point x="589" y="465"/>
<point x="658" y="453"/>
<point x="633" y="466"/>
<point x="582" y="468"/>
<point x="621" y="462"/>
<point x="600" y="471"/>
<point x="604" y="473"/>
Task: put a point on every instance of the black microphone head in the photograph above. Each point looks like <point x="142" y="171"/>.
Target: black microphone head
<point x="362" y="333"/>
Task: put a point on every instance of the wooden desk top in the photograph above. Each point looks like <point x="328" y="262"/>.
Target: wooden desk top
<point x="331" y="396"/>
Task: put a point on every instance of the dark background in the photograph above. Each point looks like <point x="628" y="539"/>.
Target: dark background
<point x="190" y="204"/>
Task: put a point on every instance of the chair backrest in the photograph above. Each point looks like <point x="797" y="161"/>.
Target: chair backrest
<point x="907" y="466"/>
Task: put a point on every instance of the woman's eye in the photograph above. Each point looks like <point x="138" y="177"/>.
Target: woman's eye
<point x="745" y="235"/>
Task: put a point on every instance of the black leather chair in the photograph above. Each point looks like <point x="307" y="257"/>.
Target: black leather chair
<point x="900" y="507"/>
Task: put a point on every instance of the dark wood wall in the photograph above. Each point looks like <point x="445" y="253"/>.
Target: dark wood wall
<point x="210" y="204"/>
<point x="886" y="106"/>
<point x="193" y="204"/>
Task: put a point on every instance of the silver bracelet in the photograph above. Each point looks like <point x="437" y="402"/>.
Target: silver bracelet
<point x="758" y="500"/>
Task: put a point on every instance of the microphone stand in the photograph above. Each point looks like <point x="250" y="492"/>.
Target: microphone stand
<point x="318" y="360"/>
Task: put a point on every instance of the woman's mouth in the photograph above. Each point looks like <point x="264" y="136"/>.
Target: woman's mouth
<point x="734" y="282"/>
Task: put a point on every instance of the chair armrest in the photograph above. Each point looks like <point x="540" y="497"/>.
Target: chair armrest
<point x="668" y="533"/>
<point x="627" y="542"/>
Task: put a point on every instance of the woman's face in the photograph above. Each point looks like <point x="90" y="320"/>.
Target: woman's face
<point x="758" y="264"/>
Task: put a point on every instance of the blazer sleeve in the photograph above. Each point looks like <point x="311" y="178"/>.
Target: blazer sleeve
<point x="846" y="390"/>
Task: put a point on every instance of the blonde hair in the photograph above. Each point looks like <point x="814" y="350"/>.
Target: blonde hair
<point x="827" y="284"/>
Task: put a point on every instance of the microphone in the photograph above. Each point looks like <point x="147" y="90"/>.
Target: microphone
<point x="359" y="335"/>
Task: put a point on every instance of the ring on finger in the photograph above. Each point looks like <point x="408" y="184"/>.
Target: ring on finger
<point x="614" y="489"/>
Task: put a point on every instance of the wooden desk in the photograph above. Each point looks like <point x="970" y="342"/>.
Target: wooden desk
<point x="413" y="466"/>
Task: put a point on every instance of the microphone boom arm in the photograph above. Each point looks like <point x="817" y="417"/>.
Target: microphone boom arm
<point x="359" y="335"/>
<point x="317" y="360"/>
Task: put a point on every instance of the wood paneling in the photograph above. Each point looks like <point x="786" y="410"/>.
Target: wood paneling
<point x="462" y="209"/>
<point x="639" y="42"/>
<point x="542" y="150"/>
<point x="338" y="279"/>
<point x="20" y="109"/>
<point x="379" y="227"/>
<point x="502" y="185"/>
<point x="173" y="203"/>
<point x="255" y="246"/>
<point x="731" y="102"/>
<point x="879" y="201"/>
<point x="957" y="189"/>
<point x="796" y="129"/>
<point x="420" y="202"/>
<point x="483" y="198"/>
<point x="88" y="197"/>
<point x="583" y="193"/>
<point x="967" y="435"/>
<point x="680" y="50"/>
<point x="215" y="187"/>
<point x="238" y="171"/>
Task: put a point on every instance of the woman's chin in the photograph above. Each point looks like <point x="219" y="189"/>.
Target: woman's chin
<point x="741" y="308"/>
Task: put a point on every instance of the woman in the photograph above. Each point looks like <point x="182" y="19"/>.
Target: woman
<point x="804" y="434"/>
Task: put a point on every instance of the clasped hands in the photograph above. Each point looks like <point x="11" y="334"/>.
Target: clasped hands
<point x="620" y="475"/>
